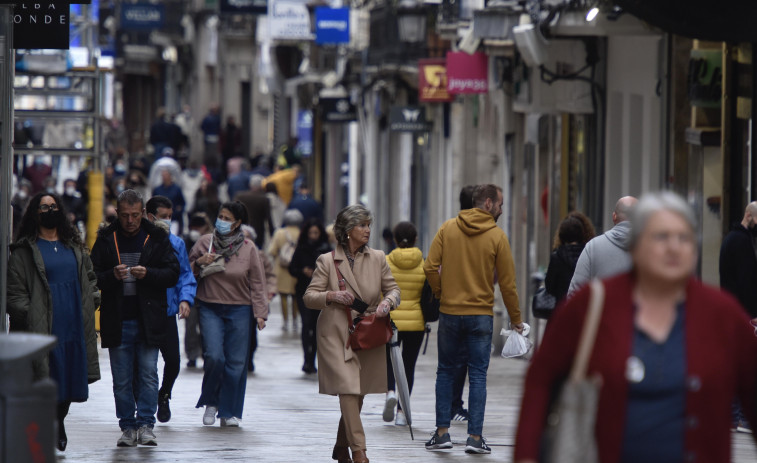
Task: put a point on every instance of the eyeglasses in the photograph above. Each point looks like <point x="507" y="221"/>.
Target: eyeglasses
<point x="48" y="207"/>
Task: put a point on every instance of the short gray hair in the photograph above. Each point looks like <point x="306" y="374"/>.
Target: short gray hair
<point x="256" y="182"/>
<point x="130" y="197"/>
<point x="651" y="203"/>
<point x="347" y="219"/>
<point x="292" y="217"/>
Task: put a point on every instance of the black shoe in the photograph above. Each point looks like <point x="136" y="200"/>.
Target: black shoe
<point x="473" y="446"/>
<point x="438" y="442"/>
<point x="309" y="369"/>
<point x="62" y="438"/>
<point x="192" y="363"/>
<point x="164" y="411"/>
<point x="461" y="415"/>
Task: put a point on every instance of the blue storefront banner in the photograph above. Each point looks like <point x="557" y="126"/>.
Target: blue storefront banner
<point x="142" y="16"/>
<point x="332" y="25"/>
<point x="305" y="132"/>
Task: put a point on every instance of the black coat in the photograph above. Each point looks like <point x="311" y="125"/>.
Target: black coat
<point x="562" y="264"/>
<point x="162" y="273"/>
<point x="738" y="267"/>
<point x="305" y="255"/>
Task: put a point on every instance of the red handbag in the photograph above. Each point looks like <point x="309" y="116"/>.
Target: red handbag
<point x="366" y="331"/>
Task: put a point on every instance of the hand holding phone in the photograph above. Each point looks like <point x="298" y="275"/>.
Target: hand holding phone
<point x="359" y="305"/>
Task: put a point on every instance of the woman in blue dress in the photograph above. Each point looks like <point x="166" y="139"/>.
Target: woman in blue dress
<point x="52" y="290"/>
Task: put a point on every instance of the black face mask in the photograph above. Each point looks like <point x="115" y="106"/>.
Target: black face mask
<point x="51" y="219"/>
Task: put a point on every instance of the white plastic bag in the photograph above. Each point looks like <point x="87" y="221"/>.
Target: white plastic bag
<point x="517" y="344"/>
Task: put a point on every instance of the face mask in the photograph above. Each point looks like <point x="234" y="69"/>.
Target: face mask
<point x="50" y="189"/>
<point x="167" y="222"/>
<point x="120" y="168"/>
<point x="223" y="227"/>
<point x="194" y="235"/>
<point x="120" y="189"/>
<point x="51" y="219"/>
<point x="22" y="194"/>
<point x="70" y="191"/>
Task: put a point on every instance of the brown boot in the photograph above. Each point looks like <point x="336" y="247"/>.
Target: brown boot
<point x="359" y="456"/>
<point x="341" y="455"/>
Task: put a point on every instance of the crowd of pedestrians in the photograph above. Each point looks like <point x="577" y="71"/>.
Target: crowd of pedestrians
<point x="214" y="243"/>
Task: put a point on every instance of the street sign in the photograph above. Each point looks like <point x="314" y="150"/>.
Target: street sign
<point x="142" y="16"/>
<point x="408" y="119"/>
<point x="467" y="73"/>
<point x="40" y="25"/>
<point x="305" y="132"/>
<point x="332" y="25"/>
<point x="337" y="110"/>
<point x="432" y="81"/>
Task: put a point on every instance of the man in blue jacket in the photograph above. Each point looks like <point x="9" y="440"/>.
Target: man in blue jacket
<point x="180" y="298"/>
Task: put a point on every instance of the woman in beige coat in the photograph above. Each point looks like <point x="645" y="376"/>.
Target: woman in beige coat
<point x="284" y="238"/>
<point x="350" y="375"/>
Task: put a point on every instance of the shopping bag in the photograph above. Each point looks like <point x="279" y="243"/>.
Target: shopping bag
<point x="517" y="344"/>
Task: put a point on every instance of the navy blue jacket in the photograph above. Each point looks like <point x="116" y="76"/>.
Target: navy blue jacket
<point x="738" y="267"/>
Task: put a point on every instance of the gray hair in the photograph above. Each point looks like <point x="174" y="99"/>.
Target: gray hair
<point x="292" y="217"/>
<point x="130" y="197"/>
<point x="347" y="219"/>
<point x="256" y="182"/>
<point x="651" y="203"/>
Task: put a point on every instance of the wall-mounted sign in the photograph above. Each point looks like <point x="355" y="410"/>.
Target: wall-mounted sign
<point x="467" y="73"/>
<point x="337" y="110"/>
<point x="305" y="133"/>
<point x="432" y="80"/>
<point x="332" y="25"/>
<point x="40" y="25"/>
<point x="142" y="16"/>
<point x="288" y="20"/>
<point x="408" y="119"/>
<point x="705" y="78"/>
<point x="243" y="6"/>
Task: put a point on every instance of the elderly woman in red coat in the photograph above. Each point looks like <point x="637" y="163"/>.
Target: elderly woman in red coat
<point x="672" y="353"/>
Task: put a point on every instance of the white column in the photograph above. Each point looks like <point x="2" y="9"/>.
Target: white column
<point x="354" y="163"/>
<point x="406" y="163"/>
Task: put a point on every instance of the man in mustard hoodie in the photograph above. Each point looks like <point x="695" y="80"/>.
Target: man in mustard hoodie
<point x="469" y="249"/>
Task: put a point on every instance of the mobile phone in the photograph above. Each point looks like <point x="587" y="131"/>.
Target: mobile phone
<point x="359" y="305"/>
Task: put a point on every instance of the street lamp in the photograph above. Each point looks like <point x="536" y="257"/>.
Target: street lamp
<point x="411" y="21"/>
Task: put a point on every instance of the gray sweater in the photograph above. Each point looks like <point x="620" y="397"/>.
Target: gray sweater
<point x="603" y="257"/>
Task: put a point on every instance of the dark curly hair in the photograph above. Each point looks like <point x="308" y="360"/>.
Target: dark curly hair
<point x="29" y="227"/>
<point x="237" y="209"/>
<point x="306" y="226"/>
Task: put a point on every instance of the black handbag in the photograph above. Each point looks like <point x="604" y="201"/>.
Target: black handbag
<point x="543" y="304"/>
<point x="429" y="304"/>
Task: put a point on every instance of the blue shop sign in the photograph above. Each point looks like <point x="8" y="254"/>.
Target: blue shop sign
<point x="305" y="132"/>
<point x="142" y="16"/>
<point x="332" y="25"/>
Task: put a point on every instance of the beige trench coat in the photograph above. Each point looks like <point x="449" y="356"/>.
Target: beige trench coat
<point x="284" y="280"/>
<point x="340" y="370"/>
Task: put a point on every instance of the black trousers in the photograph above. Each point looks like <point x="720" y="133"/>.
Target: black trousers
<point x="169" y="349"/>
<point x="309" y="318"/>
<point x="410" y="343"/>
<point x="192" y="335"/>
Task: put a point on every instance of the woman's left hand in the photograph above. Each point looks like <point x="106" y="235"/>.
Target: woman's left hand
<point x="383" y="309"/>
<point x="261" y="324"/>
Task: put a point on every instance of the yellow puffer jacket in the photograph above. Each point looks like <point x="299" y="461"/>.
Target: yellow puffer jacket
<point x="407" y="268"/>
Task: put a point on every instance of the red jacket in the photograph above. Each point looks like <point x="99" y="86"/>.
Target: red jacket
<point x="721" y="354"/>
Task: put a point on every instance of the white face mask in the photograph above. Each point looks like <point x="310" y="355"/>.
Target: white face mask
<point x="194" y="235"/>
<point x="70" y="191"/>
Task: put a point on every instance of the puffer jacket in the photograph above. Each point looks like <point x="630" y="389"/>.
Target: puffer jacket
<point x="30" y="303"/>
<point x="406" y="265"/>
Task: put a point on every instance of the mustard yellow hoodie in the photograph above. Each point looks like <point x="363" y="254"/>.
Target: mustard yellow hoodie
<point x="468" y="249"/>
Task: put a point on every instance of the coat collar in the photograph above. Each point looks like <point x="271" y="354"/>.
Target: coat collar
<point x="344" y="267"/>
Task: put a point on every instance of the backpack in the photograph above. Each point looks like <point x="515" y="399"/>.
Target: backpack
<point x="429" y="304"/>
<point x="287" y="251"/>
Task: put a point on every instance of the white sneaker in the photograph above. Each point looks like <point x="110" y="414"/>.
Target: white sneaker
<point x="400" y="421"/>
<point x="209" y="417"/>
<point x="391" y="402"/>
<point x="232" y="422"/>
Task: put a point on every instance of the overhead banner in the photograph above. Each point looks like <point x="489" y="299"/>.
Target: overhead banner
<point x="288" y="20"/>
<point x="467" y="73"/>
<point x="243" y="6"/>
<point x="432" y="80"/>
<point x="408" y="119"/>
<point x="337" y="110"/>
<point x="41" y="25"/>
<point x="305" y="132"/>
<point x="142" y="16"/>
<point x="332" y="25"/>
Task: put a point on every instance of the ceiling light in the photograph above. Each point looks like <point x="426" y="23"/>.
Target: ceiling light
<point x="592" y="14"/>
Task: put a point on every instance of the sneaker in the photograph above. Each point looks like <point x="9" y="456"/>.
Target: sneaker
<point x="209" y="417"/>
<point x="128" y="438"/>
<point x="145" y="436"/>
<point x="391" y="402"/>
<point x="461" y="415"/>
<point x="744" y="427"/>
<point x="192" y="363"/>
<point x="474" y="446"/>
<point x="164" y="411"/>
<point x="438" y="442"/>
<point x="400" y="420"/>
<point x="232" y="422"/>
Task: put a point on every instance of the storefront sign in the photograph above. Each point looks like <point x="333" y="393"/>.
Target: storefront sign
<point x="40" y="25"/>
<point x="408" y="119"/>
<point x="289" y="20"/>
<point x="337" y="110"/>
<point x="332" y="25"/>
<point x="432" y="80"/>
<point x="305" y="133"/>
<point x="142" y="16"/>
<point x="243" y="6"/>
<point x="467" y="73"/>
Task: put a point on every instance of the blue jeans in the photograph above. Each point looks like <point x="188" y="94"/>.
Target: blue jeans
<point x="456" y="331"/>
<point x="134" y="395"/>
<point x="225" y="339"/>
